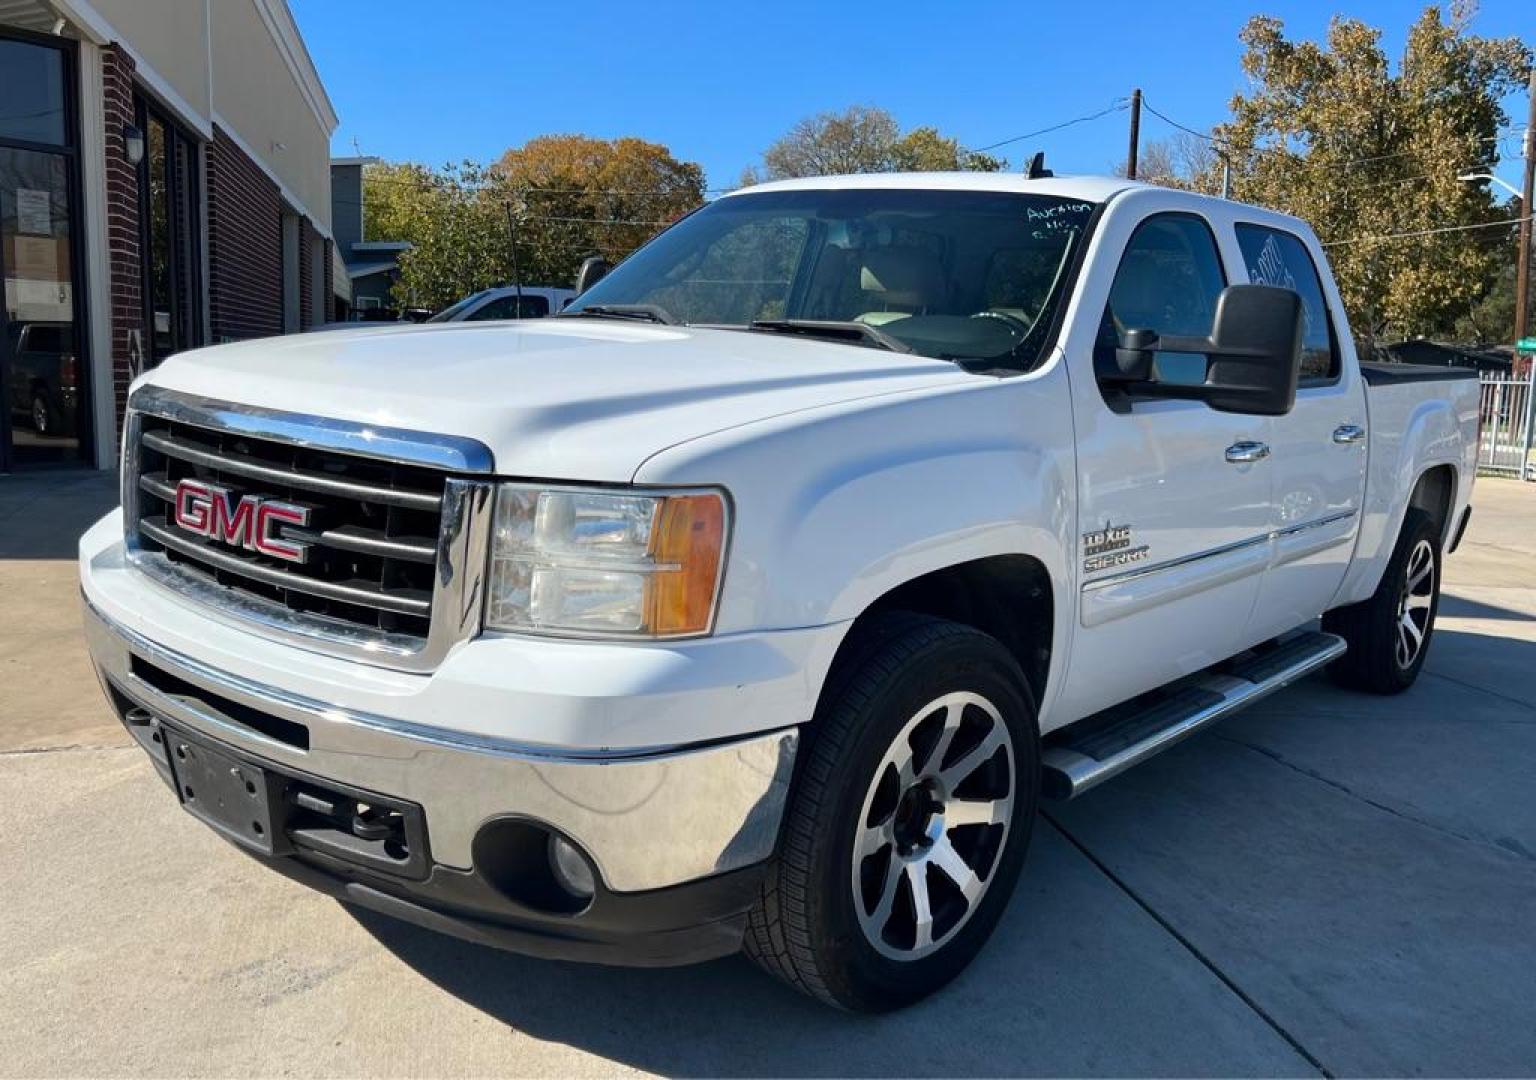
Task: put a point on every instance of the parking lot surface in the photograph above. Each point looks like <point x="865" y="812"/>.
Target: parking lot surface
<point x="1329" y="883"/>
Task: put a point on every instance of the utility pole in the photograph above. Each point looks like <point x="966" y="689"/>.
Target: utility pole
<point x="517" y="274"/>
<point x="1130" y="157"/>
<point x="1523" y="267"/>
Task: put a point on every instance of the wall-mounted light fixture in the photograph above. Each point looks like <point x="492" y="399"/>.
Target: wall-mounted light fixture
<point x="133" y="144"/>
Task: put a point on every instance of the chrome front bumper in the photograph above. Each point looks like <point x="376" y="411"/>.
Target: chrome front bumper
<point x="648" y="819"/>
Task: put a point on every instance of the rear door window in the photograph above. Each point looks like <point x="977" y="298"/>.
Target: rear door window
<point x="1276" y="257"/>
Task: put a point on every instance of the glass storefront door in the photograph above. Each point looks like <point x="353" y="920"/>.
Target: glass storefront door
<point x="44" y="377"/>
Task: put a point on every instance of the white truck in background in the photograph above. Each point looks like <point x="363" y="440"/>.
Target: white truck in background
<point x="758" y="598"/>
<point x="507" y="302"/>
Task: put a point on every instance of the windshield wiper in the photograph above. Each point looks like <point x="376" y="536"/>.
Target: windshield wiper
<point x="833" y="330"/>
<point x="643" y="312"/>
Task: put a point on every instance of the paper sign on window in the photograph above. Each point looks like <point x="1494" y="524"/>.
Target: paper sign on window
<point x="33" y="212"/>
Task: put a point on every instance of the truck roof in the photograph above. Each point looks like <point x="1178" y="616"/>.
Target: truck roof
<point x="1090" y="188"/>
<point x="1095" y="189"/>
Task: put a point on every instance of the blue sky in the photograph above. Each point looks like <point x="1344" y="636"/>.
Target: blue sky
<point x="718" y="82"/>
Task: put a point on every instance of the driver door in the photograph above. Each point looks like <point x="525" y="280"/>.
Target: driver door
<point x="1173" y="496"/>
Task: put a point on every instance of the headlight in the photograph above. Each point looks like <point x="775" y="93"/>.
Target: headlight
<point x="605" y="563"/>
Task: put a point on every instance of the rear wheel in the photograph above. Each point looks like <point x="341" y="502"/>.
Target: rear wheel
<point x="909" y="820"/>
<point x="1389" y="634"/>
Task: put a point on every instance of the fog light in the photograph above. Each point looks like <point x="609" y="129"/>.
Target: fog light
<point x="571" y="868"/>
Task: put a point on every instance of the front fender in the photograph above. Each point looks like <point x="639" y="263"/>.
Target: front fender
<point x="887" y="520"/>
<point x="837" y="507"/>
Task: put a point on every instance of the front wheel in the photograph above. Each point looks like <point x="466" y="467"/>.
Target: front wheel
<point x="909" y="820"/>
<point x="1389" y="634"/>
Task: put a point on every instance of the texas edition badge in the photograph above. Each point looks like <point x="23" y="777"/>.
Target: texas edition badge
<point x="1110" y="546"/>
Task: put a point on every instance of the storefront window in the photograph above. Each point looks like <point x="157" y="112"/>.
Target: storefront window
<point x="158" y="226"/>
<point x="44" y="376"/>
<point x="169" y="196"/>
<point x="31" y="93"/>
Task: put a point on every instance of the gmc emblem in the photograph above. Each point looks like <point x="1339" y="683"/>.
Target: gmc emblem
<point x="251" y="522"/>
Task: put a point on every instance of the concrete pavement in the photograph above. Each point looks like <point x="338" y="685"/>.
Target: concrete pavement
<point x="1327" y="883"/>
<point x="50" y="699"/>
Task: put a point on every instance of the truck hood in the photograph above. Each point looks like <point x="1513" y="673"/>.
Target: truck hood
<point x="574" y="399"/>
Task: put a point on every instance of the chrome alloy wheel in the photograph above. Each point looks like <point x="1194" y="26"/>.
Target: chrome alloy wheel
<point x="1414" y="604"/>
<point x="933" y="826"/>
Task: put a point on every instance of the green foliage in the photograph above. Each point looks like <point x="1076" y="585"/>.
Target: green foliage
<point x="923" y="149"/>
<point x="863" y="139"/>
<point x="1331" y="133"/>
<point x="457" y="232"/>
<point x="565" y="196"/>
<point x="1491" y="321"/>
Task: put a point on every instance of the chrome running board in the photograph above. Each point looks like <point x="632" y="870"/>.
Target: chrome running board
<point x="1098" y="747"/>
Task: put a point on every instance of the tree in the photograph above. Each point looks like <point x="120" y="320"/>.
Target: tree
<point x="1331" y="133"/>
<point x="575" y="196"/>
<point x="1183" y="161"/>
<point x="1491" y="321"/>
<point x="564" y="196"/>
<point x="390" y="194"/>
<point x="863" y="138"/>
<point x="925" y="150"/>
<point x="458" y="244"/>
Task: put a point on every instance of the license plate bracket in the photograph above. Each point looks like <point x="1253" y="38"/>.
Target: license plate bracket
<point x="242" y="801"/>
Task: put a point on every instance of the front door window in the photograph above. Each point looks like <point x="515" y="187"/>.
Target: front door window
<point x="43" y="371"/>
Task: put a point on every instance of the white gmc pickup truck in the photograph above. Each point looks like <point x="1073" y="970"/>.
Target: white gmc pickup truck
<point x="756" y="600"/>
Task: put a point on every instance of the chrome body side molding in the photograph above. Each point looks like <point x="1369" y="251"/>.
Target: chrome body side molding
<point x="1126" y="592"/>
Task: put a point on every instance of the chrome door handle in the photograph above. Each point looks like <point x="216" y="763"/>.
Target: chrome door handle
<point x="1345" y="434"/>
<point x="1246" y="453"/>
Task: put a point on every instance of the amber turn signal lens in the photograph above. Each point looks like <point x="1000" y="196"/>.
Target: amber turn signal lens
<point x="687" y="547"/>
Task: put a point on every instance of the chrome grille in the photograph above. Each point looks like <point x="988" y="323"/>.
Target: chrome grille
<point x="394" y="543"/>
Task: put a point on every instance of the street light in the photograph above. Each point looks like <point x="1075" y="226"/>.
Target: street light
<point x="1489" y="176"/>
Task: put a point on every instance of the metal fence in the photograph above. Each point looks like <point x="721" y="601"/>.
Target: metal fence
<point x="1504" y="442"/>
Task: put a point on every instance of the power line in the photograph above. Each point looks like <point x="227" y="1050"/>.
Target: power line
<point x="1118" y="105"/>
<point x="1428" y="232"/>
<point x="437" y="185"/>
<point x="591" y="221"/>
<point x="1309" y="163"/>
<point x="548" y="217"/>
<point x="1182" y="127"/>
<point x="1499" y="136"/>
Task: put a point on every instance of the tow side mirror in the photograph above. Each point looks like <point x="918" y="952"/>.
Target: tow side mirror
<point x="593" y="269"/>
<point x="1253" y="355"/>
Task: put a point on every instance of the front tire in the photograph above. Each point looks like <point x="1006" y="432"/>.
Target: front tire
<point x="1389" y="634"/>
<point x="909" y="819"/>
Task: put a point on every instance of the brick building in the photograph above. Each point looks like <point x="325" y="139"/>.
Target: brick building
<point x="164" y="184"/>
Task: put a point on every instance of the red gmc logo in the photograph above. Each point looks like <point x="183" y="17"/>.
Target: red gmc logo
<point x="251" y="522"/>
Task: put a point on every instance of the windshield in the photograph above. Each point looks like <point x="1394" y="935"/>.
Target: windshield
<point x="448" y="313"/>
<point x="962" y="275"/>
